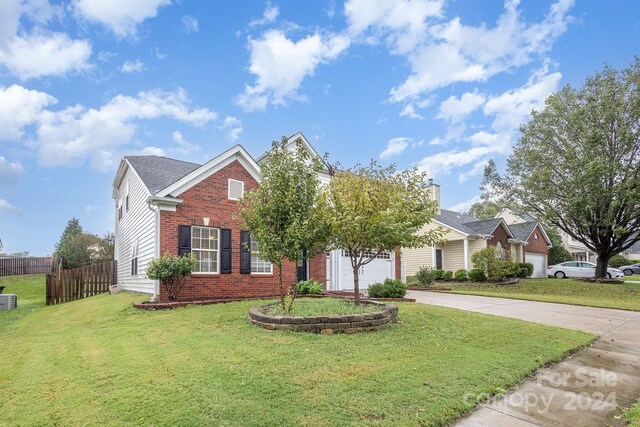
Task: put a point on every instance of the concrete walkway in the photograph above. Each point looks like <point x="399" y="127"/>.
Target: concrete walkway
<point x="588" y="388"/>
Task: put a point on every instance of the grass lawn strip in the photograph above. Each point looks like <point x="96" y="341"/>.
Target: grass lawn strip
<point x="633" y="277"/>
<point x="30" y="290"/>
<point x="323" y="306"/>
<point x="632" y="415"/>
<point x="565" y="291"/>
<point x="100" y="361"/>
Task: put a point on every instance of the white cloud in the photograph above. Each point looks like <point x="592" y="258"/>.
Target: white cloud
<point x="9" y="170"/>
<point x="190" y="24"/>
<point x="184" y="147"/>
<point x="410" y="112"/>
<point x="132" y="66"/>
<point x="395" y="147"/>
<point x="455" y="109"/>
<point x="151" y="151"/>
<point x="233" y="126"/>
<point x="513" y="107"/>
<point x="403" y="23"/>
<point x="268" y="16"/>
<point x="453" y="52"/>
<point x="122" y="17"/>
<point x="477" y="169"/>
<point x="280" y="64"/>
<point x="20" y="107"/>
<point x="465" y="205"/>
<point x="6" y="207"/>
<point x="76" y="134"/>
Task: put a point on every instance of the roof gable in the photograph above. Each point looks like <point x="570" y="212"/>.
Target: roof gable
<point x="212" y="166"/>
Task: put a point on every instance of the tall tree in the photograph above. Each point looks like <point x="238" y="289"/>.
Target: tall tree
<point x="105" y="248"/>
<point x="486" y="209"/>
<point x="576" y="163"/>
<point x="64" y="245"/>
<point x="557" y="252"/>
<point x="281" y="214"/>
<point x="373" y="209"/>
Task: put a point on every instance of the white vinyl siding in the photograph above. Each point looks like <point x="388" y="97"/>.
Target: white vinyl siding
<point x="258" y="265"/>
<point x="453" y="255"/>
<point x="138" y="223"/>
<point x="205" y="245"/>
<point x="415" y="258"/>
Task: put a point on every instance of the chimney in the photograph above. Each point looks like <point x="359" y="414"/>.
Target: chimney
<point x="434" y="192"/>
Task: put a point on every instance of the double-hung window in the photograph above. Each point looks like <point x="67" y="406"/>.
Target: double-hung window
<point x="258" y="265"/>
<point x="205" y="246"/>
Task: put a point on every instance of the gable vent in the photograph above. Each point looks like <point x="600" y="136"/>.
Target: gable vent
<point x="8" y="301"/>
<point x="236" y="189"/>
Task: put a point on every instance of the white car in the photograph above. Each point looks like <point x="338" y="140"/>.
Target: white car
<point x="580" y="269"/>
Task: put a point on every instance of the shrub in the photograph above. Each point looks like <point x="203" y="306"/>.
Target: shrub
<point x="438" y="274"/>
<point x="477" y="275"/>
<point x="523" y="269"/>
<point x="388" y="289"/>
<point x="425" y="276"/>
<point x="447" y="275"/>
<point x="461" y="275"/>
<point x="309" y="287"/>
<point x="618" y="261"/>
<point x="172" y="271"/>
<point x="489" y="259"/>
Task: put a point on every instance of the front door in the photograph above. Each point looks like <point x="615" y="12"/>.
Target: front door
<point x="302" y="267"/>
<point x="439" y="259"/>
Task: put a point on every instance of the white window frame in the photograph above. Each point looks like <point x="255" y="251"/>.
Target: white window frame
<point x="134" y="255"/>
<point x="255" y="253"/>
<point x="229" y="189"/>
<point x="217" y="250"/>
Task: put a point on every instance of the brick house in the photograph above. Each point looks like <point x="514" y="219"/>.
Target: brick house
<point x="524" y="239"/>
<point x="167" y="205"/>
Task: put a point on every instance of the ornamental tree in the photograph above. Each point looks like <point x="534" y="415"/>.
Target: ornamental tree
<point x="172" y="272"/>
<point x="576" y="163"/>
<point x="373" y="209"/>
<point x="281" y="213"/>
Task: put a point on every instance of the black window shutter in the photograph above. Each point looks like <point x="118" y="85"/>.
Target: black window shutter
<point x="225" y="251"/>
<point x="245" y="252"/>
<point x="184" y="239"/>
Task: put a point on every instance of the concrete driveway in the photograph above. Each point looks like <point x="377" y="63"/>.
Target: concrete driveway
<point x="588" y="388"/>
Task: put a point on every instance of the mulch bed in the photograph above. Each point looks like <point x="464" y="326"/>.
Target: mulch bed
<point x="427" y="288"/>
<point x="467" y="283"/>
<point x="609" y="281"/>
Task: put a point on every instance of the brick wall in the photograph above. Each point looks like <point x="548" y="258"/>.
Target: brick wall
<point x="500" y="235"/>
<point x="208" y="199"/>
<point x="318" y="268"/>
<point x="538" y="246"/>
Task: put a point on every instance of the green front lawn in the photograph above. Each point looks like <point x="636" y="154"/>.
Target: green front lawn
<point x="99" y="361"/>
<point x="634" y="277"/>
<point x="566" y="291"/>
<point x="632" y="416"/>
<point x="30" y="290"/>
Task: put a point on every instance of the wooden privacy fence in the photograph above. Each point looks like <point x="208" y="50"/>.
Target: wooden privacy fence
<point x="13" y="266"/>
<point x="81" y="282"/>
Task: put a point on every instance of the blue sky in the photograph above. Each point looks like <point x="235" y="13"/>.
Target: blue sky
<point x="434" y="84"/>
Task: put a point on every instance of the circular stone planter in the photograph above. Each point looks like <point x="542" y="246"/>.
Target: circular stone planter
<point x="381" y="315"/>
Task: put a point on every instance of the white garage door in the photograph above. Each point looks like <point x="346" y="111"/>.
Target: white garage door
<point x="539" y="262"/>
<point x="376" y="271"/>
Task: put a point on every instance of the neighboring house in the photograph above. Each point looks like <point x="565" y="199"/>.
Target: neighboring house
<point x="577" y="249"/>
<point x="633" y="253"/>
<point x="465" y="234"/>
<point x="167" y="205"/>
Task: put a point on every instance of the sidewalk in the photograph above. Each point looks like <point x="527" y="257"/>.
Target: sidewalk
<point x="587" y="389"/>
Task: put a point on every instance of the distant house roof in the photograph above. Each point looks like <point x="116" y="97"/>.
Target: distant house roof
<point x="159" y="172"/>
<point x="456" y="220"/>
<point x="485" y="227"/>
<point x="523" y="230"/>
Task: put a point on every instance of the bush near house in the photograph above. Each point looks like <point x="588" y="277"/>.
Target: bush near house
<point x="425" y="276"/>
<point x="447" y="275"/>
<point x="522" y="270"/>
<point x="390" y="288"/>
<point x="172" y="272"/>
<point x="438" y="274"/>
<point x="309" y="287"/>
<point x="618" y="261"/>
<point x="491" y="261"/>
<point x="477" y="275"/>
<point x="461" y="275"/>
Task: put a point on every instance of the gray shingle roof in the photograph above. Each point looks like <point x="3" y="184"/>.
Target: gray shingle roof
<point x="456" y="220"/>
<point x="158" y="172"/>
<point x="523" y="230"/>
<point x="485" y="227"/>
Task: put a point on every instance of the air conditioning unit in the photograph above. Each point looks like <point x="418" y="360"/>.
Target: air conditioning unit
<point x="8" y="301"/>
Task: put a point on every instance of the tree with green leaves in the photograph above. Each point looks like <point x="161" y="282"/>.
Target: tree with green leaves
<point x="281" y="214"/>
<point x="576" y="163"/>
<point x="486" y="209"/>
<point x="105" y="248"/>
<point x="373" y="209"/>
<point x="64" y="247"/>
<point x="557" y="252"/>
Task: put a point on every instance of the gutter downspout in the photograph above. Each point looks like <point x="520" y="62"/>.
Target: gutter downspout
<point x="156" y="287"/>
